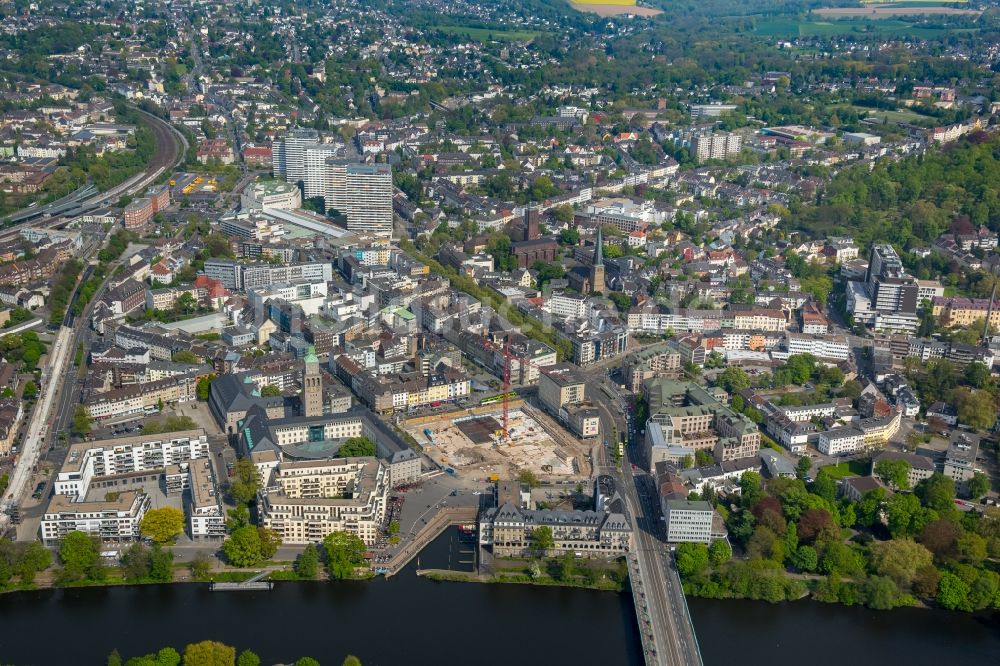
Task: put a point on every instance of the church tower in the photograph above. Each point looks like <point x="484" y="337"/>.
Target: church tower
<point x="597" y="269"/>
<point x="312" y="386"/>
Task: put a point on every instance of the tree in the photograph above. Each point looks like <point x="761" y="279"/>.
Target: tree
<point x="894" y="472"/>
<point x="184" y="356"/>
<point x="621" y="300"/>
<point x="80" y="555"/>
<point x="270" y="391"/>
<point x="805" y="558"/>
<point x="692" y="559"/>
<point x="357" y="447"/>
<point x="243" y="548"/>
<point x="200" y="566"/>
<point x="135" y="562"/>
<point x="733" y="379"/>
<point x="899" y="559"/>
<point x="306" y="661"/>
<point x="925" y="582"/>
<point x="906" y="516"/>
<point x="238" y="517"/>
<point x="270" y="541"/>
<point x="185" y="303"/>
<point x="344" y="551"/>
<point x="528" y="477"/>
<point x="972" y="548"/>
<point x="952" y="591"/>
<point x="204" y="387"/>
<point x="162" y="525"/>
<point x="976" y="408"/>
<point x="813" y="523"/>
<point x="977" y="374"/>
<point x="30" y="391"/>
<point x="245" y="483"/>
<point x="880" y="593"/>
<point x="569" y="237"/>
<point x="168" y="657"/>
<point x="81" y="422"/>
<point x="937" y="492"/>
<point x="307" y="563"/>
<point x="941" y="538"/>
<point x="804" y="465"/>
<point x="248" y="658"/>
<point x="541" y="539"/>
<point x="209" y="653"/>
<point x="719" y="552"/>
<point x="978" y="485"/>
<point x="351" y="660"/>
<point x="161" y="564"/>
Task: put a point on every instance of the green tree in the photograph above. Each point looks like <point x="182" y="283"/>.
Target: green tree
<point x="81" y="558"/>
<point x="976" y="408"/>
<point x="894" y="472"/>
<point x="168" y="657"/>
<point x="804" y="465"/>
<point x="248" y="658"/>
<point x="80" y="425"/>
<point x="528" y="477"/>
<point x="899" y="559"/>
<point x="200" y="566"/>
<point x="351" y="660"/>
<point x="30" y="390"/>
<point x="569" y="237"/>
<point x="953" y="592"/>
<point x="209" y="653"/>
<point x="345" y="551"/>
<point x="162" y="525"/>
<point x="306" y="661"/>
<point x="692" y="559"/>
<point x="307" y="563"/>
<point x="978" y="485"/>
<point x="243" y="548"/>
<point x="541" y="539"/>
<point x="880" y="593"/>
<point x="719" y="552"/>
<point x="161" y="564"/>
<point x="937" y="492"/>
<point x="733" y="379"/>
<point x="357" y="447"/>
<point x="204" y="387"/>
<point x="270" y="391"/>
<point x="805" y="558"/>
<point x="246" y="481"/>
<point x="184" y="356"/>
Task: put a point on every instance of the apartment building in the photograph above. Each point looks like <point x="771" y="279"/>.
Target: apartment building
<point x="654" y="361"/>
<point x="114" y="520"/>
<point x="206" y="517"/>
<point x="306" y="501"/>
<point x="956" y="311"/>
<point x="688" y="521"/>
<point x="137" y="398"/>
<point x="560" y="384"/>
<point x="921" y="467"/>
<point x="841" y="441"/>
<point x="88" y="461"/>
<point x="823" y="347"/>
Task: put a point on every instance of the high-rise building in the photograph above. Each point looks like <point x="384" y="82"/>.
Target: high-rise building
<point x="312" y="386"/>
<point x="888" y="285"/>
<point x="288" y="153"/>
<point x="363" y="193"/>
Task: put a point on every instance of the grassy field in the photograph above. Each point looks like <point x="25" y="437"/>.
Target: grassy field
<point x="849" y="468"/>
<point x="485" y="34"/>
<point x="915" y="3"/>
<point x="897" y="116"/>
<point x="792" y="28"/>
<point x="604" y="2"/>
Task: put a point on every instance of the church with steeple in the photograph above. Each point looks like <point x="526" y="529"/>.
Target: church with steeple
<point x="590" y="280"/>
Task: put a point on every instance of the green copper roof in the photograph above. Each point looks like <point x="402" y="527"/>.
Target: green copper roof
<point x="311" y="355"/>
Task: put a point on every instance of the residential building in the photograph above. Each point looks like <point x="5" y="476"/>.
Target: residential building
<point x="306" y="501"/>
<point x="206" y="518"/>
<point x="688" y="521"/>
<point x="115" y="520"/>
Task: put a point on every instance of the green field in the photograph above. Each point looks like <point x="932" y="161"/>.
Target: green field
<point x="915" y="3"/>
<point x="485" y="34"/>
<point x="846" y="469"/>
<point x="897" y="116"/>
<point x="792" y="28"/>
<point x="624" y="3"/>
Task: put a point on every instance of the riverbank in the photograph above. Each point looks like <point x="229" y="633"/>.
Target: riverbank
<point x="445" y="575"/>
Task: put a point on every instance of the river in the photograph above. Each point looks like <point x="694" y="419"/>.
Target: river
<point x="411" y="620"/>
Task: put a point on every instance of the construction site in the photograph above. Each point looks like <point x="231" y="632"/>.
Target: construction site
<point x="471" y="440"/>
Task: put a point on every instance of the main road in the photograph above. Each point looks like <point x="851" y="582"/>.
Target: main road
<point x="665" y="625"/>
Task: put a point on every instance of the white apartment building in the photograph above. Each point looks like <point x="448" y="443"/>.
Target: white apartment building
<point x="124" y="455"/>
<point x="689" y="521"/>
<point x="306" y="501"/>
<point x="715" y="146"/>
<point x="205" y="516"/>
<point x="562" y="304"/>
<point x="841" y="441"/>
<point x="309" y="295"/>
<point x="826" y="347"/>
<point x="110" y="520"/>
